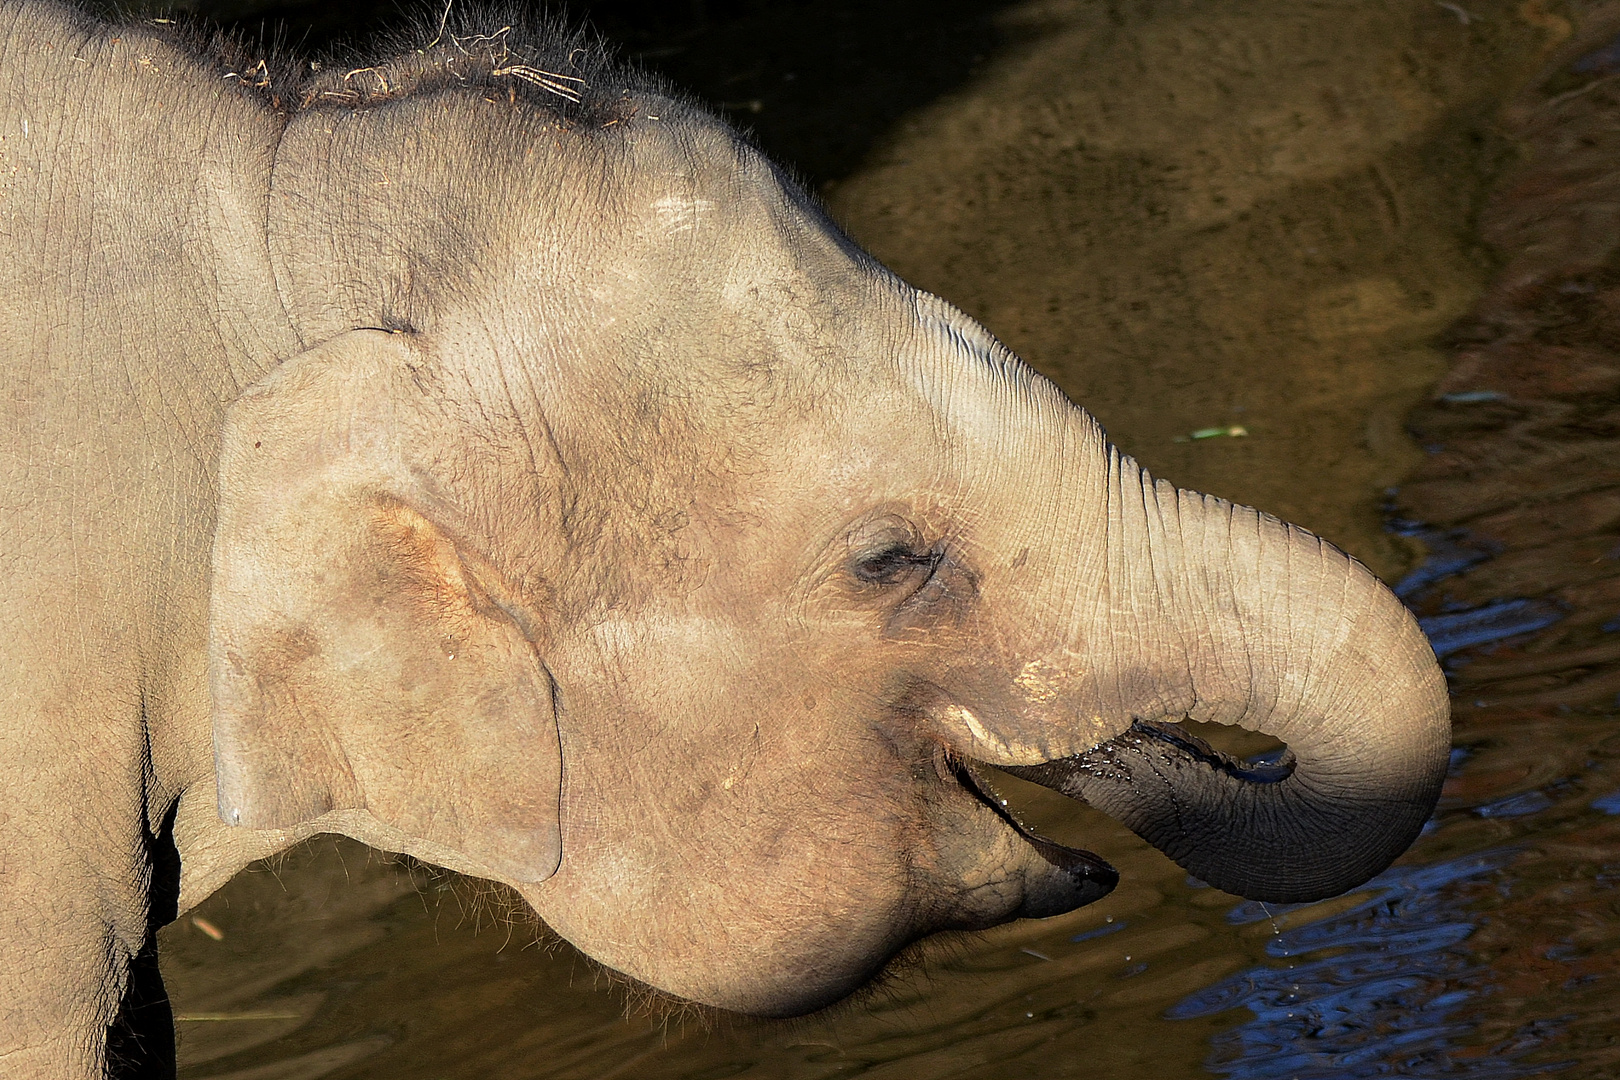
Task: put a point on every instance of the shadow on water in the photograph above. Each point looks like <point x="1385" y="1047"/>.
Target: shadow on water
<point x="1143" y="198"/>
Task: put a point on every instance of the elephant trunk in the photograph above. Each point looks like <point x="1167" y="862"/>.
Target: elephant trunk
<point x="1232" y="616"/>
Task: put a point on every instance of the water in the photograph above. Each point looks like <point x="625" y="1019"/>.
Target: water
<point x="1262" y="215"/>
<point x="1492" y="950"/>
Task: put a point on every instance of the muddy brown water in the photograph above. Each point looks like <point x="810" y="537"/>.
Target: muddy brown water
<point x="1380" y="238"/>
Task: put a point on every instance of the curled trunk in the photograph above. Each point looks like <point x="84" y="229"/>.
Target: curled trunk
<point x="1235" y="617"/>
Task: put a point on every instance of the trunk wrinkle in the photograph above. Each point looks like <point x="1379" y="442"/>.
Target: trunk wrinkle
<point x="1235" y="617"/>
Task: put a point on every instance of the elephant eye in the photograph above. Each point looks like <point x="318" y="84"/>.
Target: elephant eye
<point x="894" y="565"/>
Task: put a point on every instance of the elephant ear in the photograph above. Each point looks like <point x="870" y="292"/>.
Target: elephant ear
<point x="357" y="661"/>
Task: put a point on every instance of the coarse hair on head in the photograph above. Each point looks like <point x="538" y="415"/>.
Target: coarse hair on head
<point x="508" y="49"/>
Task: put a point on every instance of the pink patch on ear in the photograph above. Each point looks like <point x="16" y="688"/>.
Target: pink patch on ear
<point x="355" y="663"/>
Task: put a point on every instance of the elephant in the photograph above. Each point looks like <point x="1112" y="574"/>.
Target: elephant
<point x="484" y="452"/>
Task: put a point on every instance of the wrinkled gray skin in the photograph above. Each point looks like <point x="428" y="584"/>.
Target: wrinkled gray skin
<point x="564" y="501"/>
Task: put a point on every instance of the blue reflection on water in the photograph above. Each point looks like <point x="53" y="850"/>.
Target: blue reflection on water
<point x="1493" y="622"/>
<point x="1531" y="802"/>
<point x="1450" y="552"/>
<point x="1602" y="61"/>
<point x="1387" y="1002"/>
<point x="1101" y="931"/>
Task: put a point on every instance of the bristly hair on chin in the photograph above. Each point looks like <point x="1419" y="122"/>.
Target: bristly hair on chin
<point x="485" y="906"/>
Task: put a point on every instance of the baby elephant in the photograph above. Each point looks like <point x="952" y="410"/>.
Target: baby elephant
<point x="488" y="455"/>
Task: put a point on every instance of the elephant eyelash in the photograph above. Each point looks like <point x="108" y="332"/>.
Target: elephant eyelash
<point x="894" y="565"/>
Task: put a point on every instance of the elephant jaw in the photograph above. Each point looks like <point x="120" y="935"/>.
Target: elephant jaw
<point x="1058" y="879"/>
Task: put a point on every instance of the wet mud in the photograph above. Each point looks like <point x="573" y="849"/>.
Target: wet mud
<point x="1382" y="240"/>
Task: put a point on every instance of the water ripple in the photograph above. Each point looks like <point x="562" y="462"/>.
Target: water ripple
<point x="1387" y="1001"/>
<point x="1493" y="622"/>
<point x="1450" y="552"/>
<point x="1531" y="802"/>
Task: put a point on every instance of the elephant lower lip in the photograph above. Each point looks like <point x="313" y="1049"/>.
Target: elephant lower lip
<point x="1094" y="875"/>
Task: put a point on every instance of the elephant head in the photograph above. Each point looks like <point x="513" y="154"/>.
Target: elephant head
<point x="632" y="538"/>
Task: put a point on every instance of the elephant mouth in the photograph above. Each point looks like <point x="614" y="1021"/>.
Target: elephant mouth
<point x="1092" y="876"/>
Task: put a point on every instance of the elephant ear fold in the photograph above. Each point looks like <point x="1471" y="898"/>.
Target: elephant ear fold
<point x="357" y="661"/>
